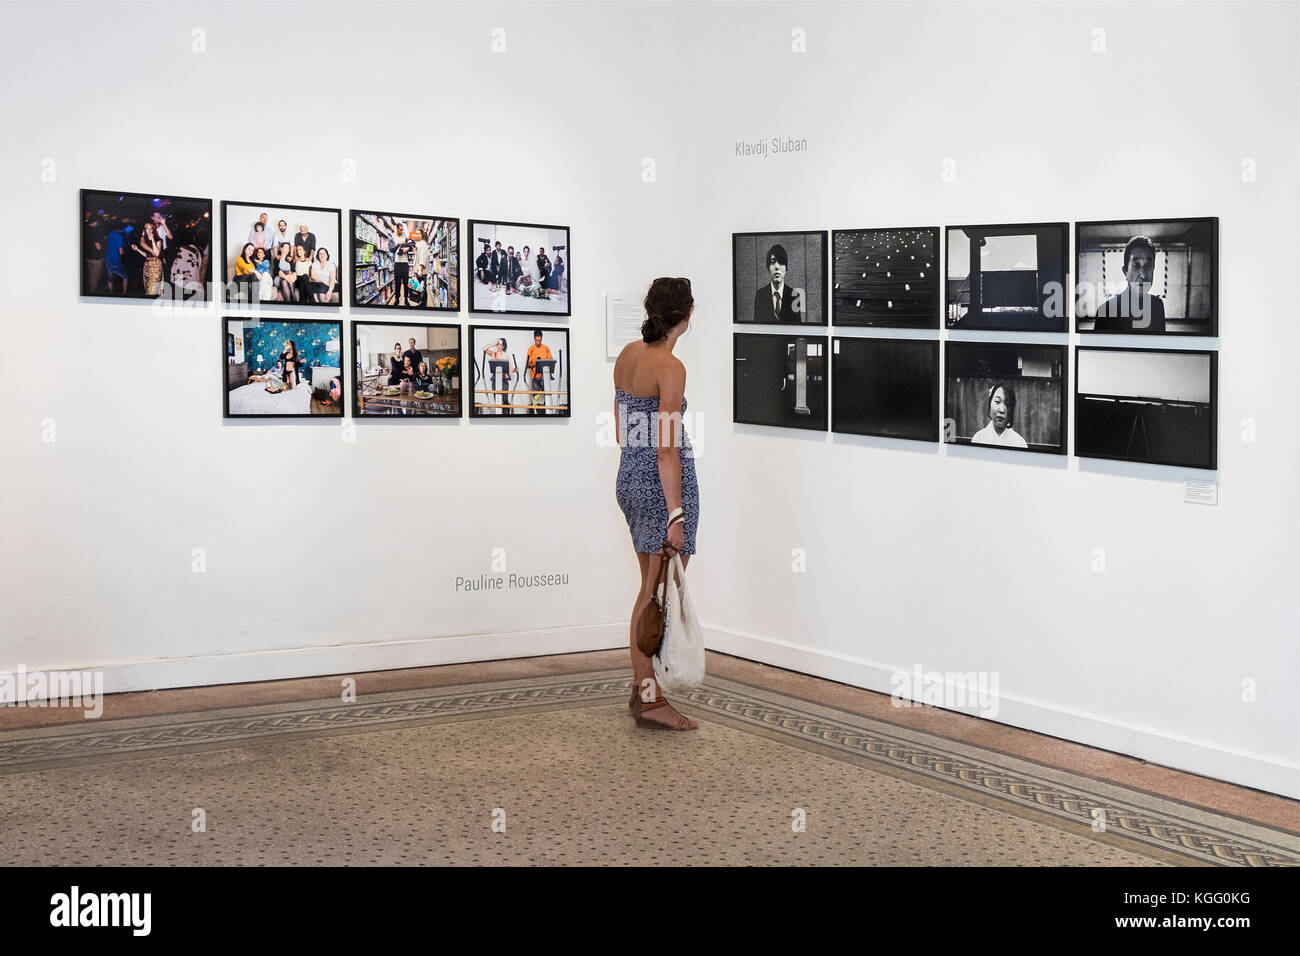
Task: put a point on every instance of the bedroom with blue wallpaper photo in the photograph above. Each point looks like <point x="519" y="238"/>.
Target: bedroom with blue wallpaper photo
<point x="283" y="369"/>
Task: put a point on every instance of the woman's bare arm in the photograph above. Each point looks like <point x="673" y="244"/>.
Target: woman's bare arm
<point x="668" y="431"/>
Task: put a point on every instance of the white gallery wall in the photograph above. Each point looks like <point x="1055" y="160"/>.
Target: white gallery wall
<point x="146" y="536"/>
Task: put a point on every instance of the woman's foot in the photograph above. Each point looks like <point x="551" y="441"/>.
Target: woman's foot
<point x="659" y="714"/>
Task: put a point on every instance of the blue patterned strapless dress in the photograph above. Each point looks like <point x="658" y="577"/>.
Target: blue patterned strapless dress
<point x="639" y="492"/>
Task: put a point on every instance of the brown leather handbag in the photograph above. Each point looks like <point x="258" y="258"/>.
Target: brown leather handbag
<point x="650" y="626"/>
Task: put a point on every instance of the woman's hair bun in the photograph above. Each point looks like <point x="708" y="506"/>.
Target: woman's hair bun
<point x="667" y="304"/>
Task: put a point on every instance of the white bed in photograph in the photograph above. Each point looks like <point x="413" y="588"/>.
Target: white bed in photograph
<point x="254" y="399"/>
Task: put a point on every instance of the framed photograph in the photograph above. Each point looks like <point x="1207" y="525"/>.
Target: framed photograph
<point x="1147" y="276"/>
<point x="1157" y="406"/>
<point x="888" y="278"/>
<point x="406" y="370"/>
<point x="519" y="268"/>
<point x="885" y="387"/>
<point x="1005" y="394"/>
<point x="145" y="246"/>
<point x="405" y="262"/>
<point x="290" y="369"/>
<point x="779" y="380"/>
<point x="282" y="255"/>
<point x="1008" y="277"/>
<point x="779" y="278"/>
<point x="518" y="370"/>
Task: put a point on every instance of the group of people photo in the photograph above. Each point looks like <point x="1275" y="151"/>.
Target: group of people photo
<point x="405" y="261"/>
<point x="145" y="247"/>
<point x="280" y="258"/>
<point x="539" y="387"/>
<point x="419" y="376"/>
<point x="520" y="268"/>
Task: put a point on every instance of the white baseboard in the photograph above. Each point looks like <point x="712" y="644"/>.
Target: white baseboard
<point x="135" y="675"/>
<point x="1161" y="747"/>
<point x="1155" y="746"/>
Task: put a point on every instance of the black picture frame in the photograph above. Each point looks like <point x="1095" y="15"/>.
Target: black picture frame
<point x="857" y="293"/>
<point x="255" y="321"/>
<point x="355" y="247"/>
<point x="358" y="402"/>
<point x="815" y="286"/>
<point x="1086" y="417"/>
<point x="562" y="370"/>
<point x="1014" y="289"/>
<point x="1083" y="245"/>
<point x="783" y="363"/>
<point x="123" y="195"/>
<point x="468" y="249"/>
<point x="955" y="363"/>
<point x="842" y="380"/>
<point x="228" y="302"/>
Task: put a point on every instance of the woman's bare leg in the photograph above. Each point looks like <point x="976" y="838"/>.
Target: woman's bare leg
<point x="642" y="667"/>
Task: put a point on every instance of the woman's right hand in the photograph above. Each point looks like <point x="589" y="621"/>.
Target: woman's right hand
<point x="677" y="536"/>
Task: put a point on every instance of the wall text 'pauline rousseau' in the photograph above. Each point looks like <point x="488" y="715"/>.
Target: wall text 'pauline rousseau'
<point x="511" y="581"/>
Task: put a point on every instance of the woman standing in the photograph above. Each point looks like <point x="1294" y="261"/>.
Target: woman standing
<point x="150" y="248"/>
<point x="322" y="276"/>
<point x="395" y="365"/>
<point x="656" y="487"/>
<point x="290" y="359"/>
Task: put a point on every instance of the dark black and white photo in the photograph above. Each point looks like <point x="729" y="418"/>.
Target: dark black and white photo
<point x="780" y="380"/>
<point x="779" y="278"/>
<point x="885" y="387"/>
<point x="1007" y="277"/>
<point x="1150" y="405"/>
<point x="885" y="277"/>
<point x="1150" y="277"/>
<point x="1005" y="394"/>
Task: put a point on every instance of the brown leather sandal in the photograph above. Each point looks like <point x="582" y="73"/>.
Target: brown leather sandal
<point x="638" y="707"/>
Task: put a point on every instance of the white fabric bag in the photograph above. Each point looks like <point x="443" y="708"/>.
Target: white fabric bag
<point x="679" y="665"/>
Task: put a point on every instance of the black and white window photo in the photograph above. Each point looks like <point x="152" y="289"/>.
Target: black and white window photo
<point x="1149" y="405"/>
<point x="885" y="277"/>
<point x="779" y="278"/>
<point x="1009" y="277"/>
<point x="885" y="387"/>
<point x="780" y="380"/>
<point x="1006" y="394"/>
<point x="1151" y="277"/>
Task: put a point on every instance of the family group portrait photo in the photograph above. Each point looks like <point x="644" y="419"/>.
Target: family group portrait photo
<point x="281" y="255"/>
<point x="406" y="370"/>
<point x="405" y="262"/>
<point x="145" y="246"/>
<point x="519" y="267"/>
